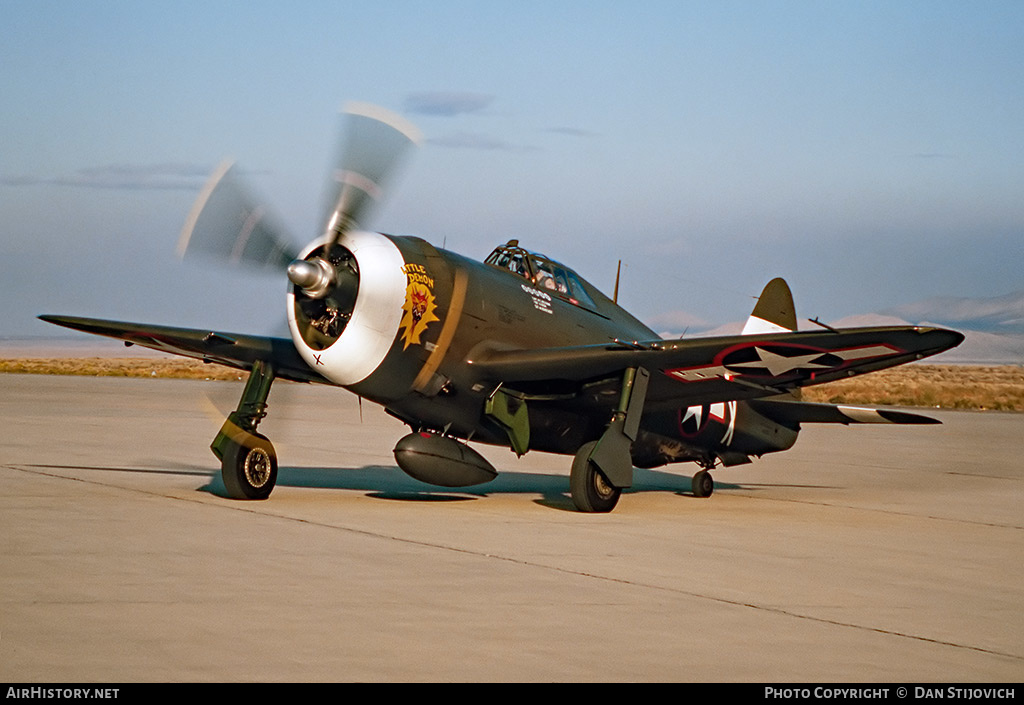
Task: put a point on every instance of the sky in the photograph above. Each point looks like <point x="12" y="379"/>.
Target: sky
<point x="870" y="152"/>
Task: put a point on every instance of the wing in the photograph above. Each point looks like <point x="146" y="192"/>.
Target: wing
<point x="230" y="349"/>
<point x="708" y="370"/>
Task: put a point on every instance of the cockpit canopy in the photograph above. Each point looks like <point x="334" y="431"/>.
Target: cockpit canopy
<point x="542" y="272"/>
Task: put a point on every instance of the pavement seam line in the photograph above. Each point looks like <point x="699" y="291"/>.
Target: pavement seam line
<point x="519" y="561"/>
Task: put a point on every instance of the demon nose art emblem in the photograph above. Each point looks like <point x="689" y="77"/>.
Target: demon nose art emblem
<point x="419" y="304"/>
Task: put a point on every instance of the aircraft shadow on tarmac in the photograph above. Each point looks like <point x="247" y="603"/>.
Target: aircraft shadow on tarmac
<point x="388" y="482"/>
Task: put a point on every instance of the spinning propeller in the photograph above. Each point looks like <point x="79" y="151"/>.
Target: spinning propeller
<point x="228" y="224"/>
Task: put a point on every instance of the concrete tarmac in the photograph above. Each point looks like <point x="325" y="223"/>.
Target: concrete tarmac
<point x="865" y="554"/>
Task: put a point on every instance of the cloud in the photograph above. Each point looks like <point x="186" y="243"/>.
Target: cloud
<point x="475" y="140"/>
<point x="571" y="131"/>
<point x="167" y="176"/>
<point x="446" y="104"/>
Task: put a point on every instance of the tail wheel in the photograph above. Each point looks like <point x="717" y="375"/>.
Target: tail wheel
<point x="703" y="484"/>
<point x="249" y="468"/>
<point x="590" y="489"/>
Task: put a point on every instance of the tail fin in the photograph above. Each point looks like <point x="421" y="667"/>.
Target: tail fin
<point x="774" y="312"/>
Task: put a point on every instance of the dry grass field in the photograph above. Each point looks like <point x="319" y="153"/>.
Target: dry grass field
<point x="936" y="386"/>
<point x="920" y="385"/>
<point x="171" y="367"/>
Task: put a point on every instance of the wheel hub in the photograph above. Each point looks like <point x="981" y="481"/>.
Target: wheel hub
<point x="601" y="485"/>
<point x="257" y="467"/>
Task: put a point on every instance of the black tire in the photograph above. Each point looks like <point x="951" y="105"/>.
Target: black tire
<point x="590" y="489"/>
<point x="249" y="469"/>
<point x="703" y="484"/>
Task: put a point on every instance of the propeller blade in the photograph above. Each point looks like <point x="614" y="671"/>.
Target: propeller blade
<point x="228" y="224"/>
<point x="375" y="142"/>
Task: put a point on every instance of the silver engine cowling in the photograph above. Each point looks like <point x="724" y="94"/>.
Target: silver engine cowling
<point x="345" y="305"/>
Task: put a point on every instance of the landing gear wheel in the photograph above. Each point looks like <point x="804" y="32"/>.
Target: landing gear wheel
<point x="249" y="468"/>
<point x="590" y="489"/>
<point x="703" y="485"/>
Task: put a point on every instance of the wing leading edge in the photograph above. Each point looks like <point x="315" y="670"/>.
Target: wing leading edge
<point x="709" y="370"/>
<point x="230" y="349"/>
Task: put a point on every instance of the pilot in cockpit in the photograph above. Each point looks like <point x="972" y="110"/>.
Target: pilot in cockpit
<point x="545" y="280"/>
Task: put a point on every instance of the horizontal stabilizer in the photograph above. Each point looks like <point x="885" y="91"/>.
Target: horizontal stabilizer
<point x="792" y="413"/>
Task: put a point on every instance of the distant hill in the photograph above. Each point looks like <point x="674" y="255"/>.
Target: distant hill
<point x="994" y="327"/>
<point x="1000" y="314"/>
<point x="978" y="348"/>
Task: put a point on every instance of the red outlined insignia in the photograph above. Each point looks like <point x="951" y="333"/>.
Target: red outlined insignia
<point x="768" y="360"/>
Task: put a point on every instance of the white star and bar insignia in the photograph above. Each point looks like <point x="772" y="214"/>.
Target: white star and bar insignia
<point x="780" y="364"/>
<point x="771" y="362"/>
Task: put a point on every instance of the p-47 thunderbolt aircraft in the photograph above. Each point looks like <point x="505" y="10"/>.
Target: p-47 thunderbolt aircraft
<point x="516" y="351"/>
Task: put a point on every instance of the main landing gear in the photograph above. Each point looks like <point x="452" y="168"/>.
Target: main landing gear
<point x="603" y="468"/>
<point x="248" y="460"/>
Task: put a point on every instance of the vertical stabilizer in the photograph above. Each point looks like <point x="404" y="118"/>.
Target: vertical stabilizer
<point x="774" y="312"/>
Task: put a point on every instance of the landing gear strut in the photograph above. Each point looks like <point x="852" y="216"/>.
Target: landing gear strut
<point x="248" y="460"/>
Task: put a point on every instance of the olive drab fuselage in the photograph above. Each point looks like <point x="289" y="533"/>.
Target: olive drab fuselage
<point x="479" y="308"/>
<point x="455" y="310"/>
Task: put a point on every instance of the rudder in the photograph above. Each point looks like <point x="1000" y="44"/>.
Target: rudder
<point x="774" y="312"/>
